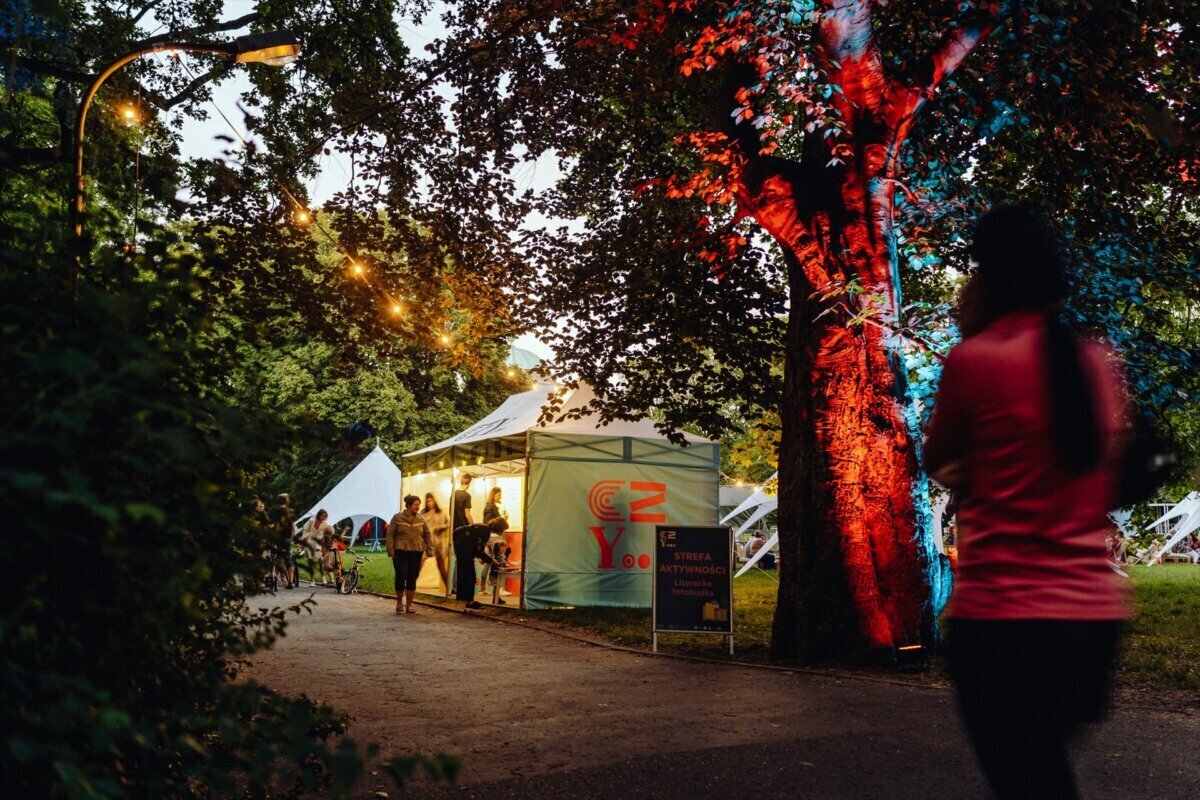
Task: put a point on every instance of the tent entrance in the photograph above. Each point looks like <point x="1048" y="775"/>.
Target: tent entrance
<point x="437" y="574"/>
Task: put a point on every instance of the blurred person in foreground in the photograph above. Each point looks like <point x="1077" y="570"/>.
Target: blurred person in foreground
<point x="1027" y="429"/>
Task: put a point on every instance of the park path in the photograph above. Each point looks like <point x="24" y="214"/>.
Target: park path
<point x="532" y="715"/>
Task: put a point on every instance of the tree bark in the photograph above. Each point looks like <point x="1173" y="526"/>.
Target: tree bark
<point x="859" y="575"/>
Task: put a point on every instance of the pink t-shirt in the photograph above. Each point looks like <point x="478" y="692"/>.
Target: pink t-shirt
<point x="1031" y="536"/>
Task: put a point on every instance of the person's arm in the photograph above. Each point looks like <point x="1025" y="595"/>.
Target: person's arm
<point x="481" y="549"/>
<point x="948" y="438"/>
<point x="467" y="509"/>
<point x="393" y="530"/>
<point x="427" y="538"/>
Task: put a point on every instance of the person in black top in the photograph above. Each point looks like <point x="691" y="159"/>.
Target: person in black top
<point x="461" y="507"/>
<point x="469" y="541"/>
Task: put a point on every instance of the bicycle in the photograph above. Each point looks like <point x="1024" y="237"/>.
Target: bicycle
<point x="347" y="580"/>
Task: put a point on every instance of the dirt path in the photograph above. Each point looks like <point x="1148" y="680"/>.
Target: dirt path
<point x="534" y="715"/>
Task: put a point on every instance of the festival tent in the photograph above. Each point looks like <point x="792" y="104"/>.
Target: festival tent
<point x="372" y="489"/>
<point x="757" y="506"/>
<point x="1187" y="511"/>
<point x="582" y="498"/>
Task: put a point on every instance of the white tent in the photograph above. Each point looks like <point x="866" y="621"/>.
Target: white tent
<point x="372" y="489"/>
<point x="1187" y="511"/>
<point x="755" y="500"/>
<point x="581" y="498"/>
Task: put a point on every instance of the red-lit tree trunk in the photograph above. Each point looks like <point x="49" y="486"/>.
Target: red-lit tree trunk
<point x="852" y="580"/>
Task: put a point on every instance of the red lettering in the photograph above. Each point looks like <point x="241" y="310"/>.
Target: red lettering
<point x="606" y="547"/>
<point x="647" y="502"/>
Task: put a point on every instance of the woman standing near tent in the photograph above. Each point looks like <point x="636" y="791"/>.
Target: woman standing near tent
<point x="491" y="511"/>
<point x="1027" y="428"/>
<point x="311" y="538"/>
<point x="408" y="540"/>
<point x="439" y="526"/>
<point x="491" y="508"/>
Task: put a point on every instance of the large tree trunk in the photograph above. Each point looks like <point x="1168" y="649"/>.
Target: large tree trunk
<point x="852" y="581"/>
<point x="859" y="572"/>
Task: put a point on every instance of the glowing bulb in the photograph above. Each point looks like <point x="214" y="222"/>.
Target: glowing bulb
<point x="303" y="217"/>
<point x="129" y="114"/>
<point x="510" y="373"/>
<point x="358" y="270"/>
<point x="444" y="339"/>
<point x="396" y="308"/>
<point x="533" y="385"/>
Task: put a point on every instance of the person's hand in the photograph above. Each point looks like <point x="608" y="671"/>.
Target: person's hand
<point x="429" y="554"/>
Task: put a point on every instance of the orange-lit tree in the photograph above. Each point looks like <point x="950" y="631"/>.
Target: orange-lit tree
<point x="757" y="181"/>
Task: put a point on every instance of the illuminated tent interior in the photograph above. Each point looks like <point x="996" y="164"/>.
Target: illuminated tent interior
<point x="581" y="499"/>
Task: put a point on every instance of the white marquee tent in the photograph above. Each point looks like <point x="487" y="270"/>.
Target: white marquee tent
<point x="581" y="498"/>
<point x="372" y="489"/>
<point x="1187" y="511"/>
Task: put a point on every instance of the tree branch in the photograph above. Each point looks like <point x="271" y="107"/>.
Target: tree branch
<point x="908" y="95"/>
<point x="19" y="157"/>
<point x="148" y="8"/>
<point x="167" y="103"/>
<point x="957" y="43"/>
<point x="231" y="25"/>
<point x="42" y="67"/>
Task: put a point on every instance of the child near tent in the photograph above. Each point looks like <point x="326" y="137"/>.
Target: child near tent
<point x="500" y="552"/>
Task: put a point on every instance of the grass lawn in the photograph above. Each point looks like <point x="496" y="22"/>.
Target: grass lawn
<point x="1161" y="650"/>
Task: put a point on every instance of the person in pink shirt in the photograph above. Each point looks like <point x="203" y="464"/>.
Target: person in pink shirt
<point x="1027" y="429"/>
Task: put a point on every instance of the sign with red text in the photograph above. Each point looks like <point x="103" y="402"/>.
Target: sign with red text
<point x="693" y="579"/>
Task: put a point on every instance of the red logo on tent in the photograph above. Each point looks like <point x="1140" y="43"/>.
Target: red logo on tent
<point x="602" y="493"/>
<point x="600" y="501"/>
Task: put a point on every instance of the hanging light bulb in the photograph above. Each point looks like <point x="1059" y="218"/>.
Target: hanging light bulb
<point x="303" y="217"/>
<point x="444" y="339"/>
<point x="357" y="268"/>
<point x="510" y="373"/>
<point x="396" y="308"/>
<point x="129" y="114"/>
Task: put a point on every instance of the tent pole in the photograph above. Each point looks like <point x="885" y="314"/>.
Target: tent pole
<point x="524" y="521"/>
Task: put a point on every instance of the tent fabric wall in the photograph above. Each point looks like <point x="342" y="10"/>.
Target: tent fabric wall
<point x="371" y="489"/>
<point x="592" y="502"/>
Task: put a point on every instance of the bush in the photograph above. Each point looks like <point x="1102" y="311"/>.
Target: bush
<point x="122" y="468"/>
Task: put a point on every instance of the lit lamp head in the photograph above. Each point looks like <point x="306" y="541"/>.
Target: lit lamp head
<point x="444" y="339"/>
<point x="129" y="114"/>
<point x="303" y="217"/>
<point x="275" y="48"/>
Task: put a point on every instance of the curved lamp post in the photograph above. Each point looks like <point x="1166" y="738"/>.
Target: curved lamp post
<point x="275" y="48"/>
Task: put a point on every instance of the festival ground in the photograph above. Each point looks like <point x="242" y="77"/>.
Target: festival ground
<point x="535" y="715"/>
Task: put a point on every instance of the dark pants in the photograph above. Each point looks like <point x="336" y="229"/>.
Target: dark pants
<point x="1024" y="688"/>
<point x="407" y="564"/>
<point x="464" y="578"/>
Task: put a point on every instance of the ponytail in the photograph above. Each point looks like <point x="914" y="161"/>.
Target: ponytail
<point x="1020" y="266"/>
<point x="1075" y="430"/>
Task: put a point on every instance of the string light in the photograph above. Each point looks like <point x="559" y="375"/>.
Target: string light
<point x="302" y="215"/>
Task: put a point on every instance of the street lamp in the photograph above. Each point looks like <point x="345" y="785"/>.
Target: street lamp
<point x="275" y="48"/>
